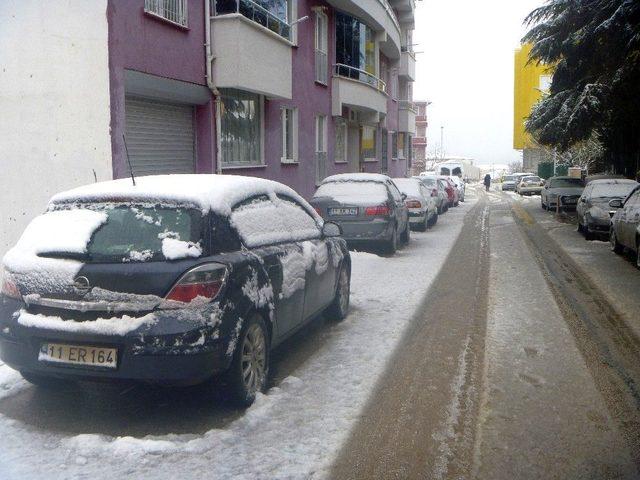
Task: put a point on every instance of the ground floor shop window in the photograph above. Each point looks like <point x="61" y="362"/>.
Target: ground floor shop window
<point x="368" y="143"/>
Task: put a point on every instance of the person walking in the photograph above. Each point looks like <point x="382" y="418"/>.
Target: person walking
<point x="487" y="181"/>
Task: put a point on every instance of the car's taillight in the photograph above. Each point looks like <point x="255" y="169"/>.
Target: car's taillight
<point x="413" y="204"/>
<point x="378" y="211"/>
<point x="9" y="286"/>
<point x="434" y="192"/>
<point x="204" y="281"/>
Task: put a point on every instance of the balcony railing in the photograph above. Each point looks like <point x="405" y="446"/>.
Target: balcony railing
<point x="407" y="105"/>
<point x="174" y="11"/>
<point x="347" y="71"/>
<point x="254" y="12"/>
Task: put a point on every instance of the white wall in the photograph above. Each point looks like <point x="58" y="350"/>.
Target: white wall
<point x="54" y="104"/>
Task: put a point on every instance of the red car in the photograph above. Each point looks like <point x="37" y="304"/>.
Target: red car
<point x="451" y="190"/>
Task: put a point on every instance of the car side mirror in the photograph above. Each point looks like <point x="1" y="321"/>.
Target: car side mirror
<point x="615" y="203"/>
<point x="331" y="229"/>
<point x="404" y="196"/>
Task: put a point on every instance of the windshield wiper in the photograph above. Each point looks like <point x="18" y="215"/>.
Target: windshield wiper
<point x="68" y="255"/>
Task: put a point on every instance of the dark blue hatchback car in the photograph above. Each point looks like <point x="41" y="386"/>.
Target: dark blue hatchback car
<point x="172" y="281"/>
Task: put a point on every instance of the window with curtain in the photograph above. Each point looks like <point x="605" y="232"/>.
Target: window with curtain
<point x="241" y="128"/>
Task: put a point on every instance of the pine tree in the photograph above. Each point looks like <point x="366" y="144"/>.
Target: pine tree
<point x="594" y="46"/>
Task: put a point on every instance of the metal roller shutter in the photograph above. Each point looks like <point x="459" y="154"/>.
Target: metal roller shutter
<point x="160" y="137"/>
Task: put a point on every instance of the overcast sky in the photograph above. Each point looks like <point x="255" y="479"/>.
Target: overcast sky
<point x="466" y="70"/>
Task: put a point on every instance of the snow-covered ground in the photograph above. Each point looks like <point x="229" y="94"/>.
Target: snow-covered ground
<point x="295" y="430"/>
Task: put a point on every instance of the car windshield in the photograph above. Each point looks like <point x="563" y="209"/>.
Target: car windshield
<point x="565" y="182"/>
<point x="135" y="233"/>
<point x="612" y="190"/>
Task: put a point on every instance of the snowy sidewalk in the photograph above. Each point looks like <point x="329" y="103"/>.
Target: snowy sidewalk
<point x="296" y="429"/>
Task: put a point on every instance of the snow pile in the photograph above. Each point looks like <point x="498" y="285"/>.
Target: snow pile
<point x="102" y="326"/>
<point x="294" y="271"/>
<point x="11" y="382"/>
<point x="259" y="296"/>
<point x="143" y="256"/>
<point x="357" y="177"/>
<point x="174" y="249"/>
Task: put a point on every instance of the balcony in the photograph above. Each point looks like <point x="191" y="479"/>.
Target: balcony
<point x="251" y="50"/>
<point x="406" y="117"/>
<point x="358" y="90"/>
<point x="379" y="15"/>
<point x="407" y="65"/>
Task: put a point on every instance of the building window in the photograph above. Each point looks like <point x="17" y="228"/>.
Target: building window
<point x="241" y="128"/>
<point x="401" y="144"/>
<point x="321" y="148"/>
<point x="289" y="135"/>
<point x="272" y="14"/>
<point x="394" y="146"/>
<point x="356" y="48"/>
<point x="321" y="44"/>
<point x="174" y="11"/>
<point x="341" y="141"/>
<point x="368" y="143"/>
<point x="384" y="157"/>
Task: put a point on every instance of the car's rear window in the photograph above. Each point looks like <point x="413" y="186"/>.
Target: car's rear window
<point x="565" y="182"/>
<point x="428" y="182"/>
<point x="509" y="178"/>
<point x="408" y="186"/>
<point x="531" y="179"/>
<point x="611" y="190"/>
<point x="353" y="191"/>
<point x="139" y="233"/>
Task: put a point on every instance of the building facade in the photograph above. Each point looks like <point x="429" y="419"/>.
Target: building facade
<point x="531" y="81"/>
<point x="420" y="138"/>
<point x="291" y="90"/>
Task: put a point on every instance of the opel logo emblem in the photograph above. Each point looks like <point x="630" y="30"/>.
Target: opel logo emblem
<point x="81" y="285"/>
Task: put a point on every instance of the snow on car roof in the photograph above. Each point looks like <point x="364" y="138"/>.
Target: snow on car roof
<point x="357" y="177"/>
<point x="218" y="193"/>
<point x="602" y="181"/>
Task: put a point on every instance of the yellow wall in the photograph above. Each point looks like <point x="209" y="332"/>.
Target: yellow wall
<point x="526" y="94"/>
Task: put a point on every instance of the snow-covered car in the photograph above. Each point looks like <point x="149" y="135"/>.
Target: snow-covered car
<point x="423" y="212"/>
<point x="438" y="192"/>
<point x="530" y="185"/>
<point x="567" y="190"/>
<point x="509" y="183"/>
<point x="368" y="206"/>
<point x="460" y="186"/>
<point x="625" y="224"/>
<point x="172" y="281"/>
<point x="593" y="210"/>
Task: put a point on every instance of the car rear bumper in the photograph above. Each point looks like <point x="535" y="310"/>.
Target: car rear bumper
<point x="370" y="230"/>
<point x="508" y="187"/>
<point x="535" y="190"/>
<point x="177" y="358"/>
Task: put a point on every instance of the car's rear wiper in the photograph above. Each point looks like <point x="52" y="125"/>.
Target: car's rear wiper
<point x="69" y="255"/>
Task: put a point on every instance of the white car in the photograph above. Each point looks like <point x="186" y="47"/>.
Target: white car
<point x="423" y="209"/>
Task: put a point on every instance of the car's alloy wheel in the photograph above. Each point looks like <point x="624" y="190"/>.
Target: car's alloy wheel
<point x="339" y="309"/>
<point x="613" y="242"/>
<point x="249" y="368"/>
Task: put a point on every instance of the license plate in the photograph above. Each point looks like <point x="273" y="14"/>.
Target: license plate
<point x="78" y="355"/>
<point x="569" y="201"/>
<point x="343" y="211"/>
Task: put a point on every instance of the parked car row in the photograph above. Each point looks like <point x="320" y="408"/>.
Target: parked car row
<point x="177" y="279"/>
<point x="606" y="208"/>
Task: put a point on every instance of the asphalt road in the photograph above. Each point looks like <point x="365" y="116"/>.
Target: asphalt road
<point x="520" y="365"/>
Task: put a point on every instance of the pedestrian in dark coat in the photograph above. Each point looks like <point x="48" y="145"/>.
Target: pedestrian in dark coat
<point x="487" y="181"/>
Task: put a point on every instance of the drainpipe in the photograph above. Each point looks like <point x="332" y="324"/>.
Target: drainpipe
<point x="210" y="84"/>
